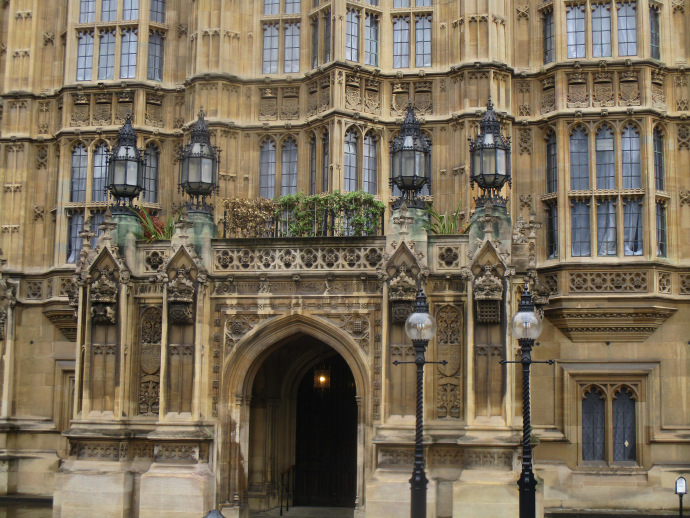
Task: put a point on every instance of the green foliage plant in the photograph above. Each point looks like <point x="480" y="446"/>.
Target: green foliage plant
<point x="152" y="227"/>
<point x="441" y="224"/>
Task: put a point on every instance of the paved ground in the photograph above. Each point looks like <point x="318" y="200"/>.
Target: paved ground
<point x="309" y="512"/>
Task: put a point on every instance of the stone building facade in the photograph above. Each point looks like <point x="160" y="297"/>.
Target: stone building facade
<point x="143" y="379"/>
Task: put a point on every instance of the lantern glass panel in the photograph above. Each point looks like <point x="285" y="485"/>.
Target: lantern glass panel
<point x="408" y="166"/>
<point x="477" y="163"/>
<point x="488" y="139"/>
<point x="500" y="162"/>
<point x="489" y="163"/>
<point x="420" y="168"/>
<point x="132" y="168"/>
<point x="119" y="173"/>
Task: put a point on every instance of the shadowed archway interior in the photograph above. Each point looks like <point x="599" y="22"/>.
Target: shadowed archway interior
<point x="308" y="432"/>
<point x="326" y="439"/>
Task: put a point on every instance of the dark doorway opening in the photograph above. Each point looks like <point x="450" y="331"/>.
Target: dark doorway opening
<point x="326" y="442"/>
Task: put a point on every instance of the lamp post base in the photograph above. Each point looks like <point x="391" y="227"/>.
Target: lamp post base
<point x="418" y="484"/>
<point x="528" y="501"/>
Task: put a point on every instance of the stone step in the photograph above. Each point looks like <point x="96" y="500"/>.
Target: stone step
<point x="308" y="512"/>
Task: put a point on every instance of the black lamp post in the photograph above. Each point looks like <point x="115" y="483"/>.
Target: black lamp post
<point x="125" y="168"/>
<point x="526" y="328"/>
<point x="420" y="327"/>
<point x="199" y="167"/>
<point x="410" y="162"/>
<point x="681" y="489"/>
<point x="490" y="159"/>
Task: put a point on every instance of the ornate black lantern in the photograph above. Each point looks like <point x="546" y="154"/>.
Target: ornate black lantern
<point x="410" y="161"/>
<point x="490" y="159"/>
<point x="125" y="165"/>
<point x="199" y="166"/>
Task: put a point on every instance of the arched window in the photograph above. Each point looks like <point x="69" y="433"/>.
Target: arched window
<point x="351" y="172"/>
<point x="606" y="175"/>
<point x="370" y="164"/>
<point x="100" y="173"/>
<point x="630" y="144"/>
<point x="624" y="436"/>
<point x="659" y="182"/>
<point x="579" y="160"/>
<point x="551" y="163"/>
<point x="312" y="165"/>
<point x="78" y="179"/>
<point x="267" y="170"/>
<point x="151" y="174"/>
<point x="75" y="225"/>
<point x="593" y="426"/>
<point x="288" y="168"/>
<point x="325" y="143"/>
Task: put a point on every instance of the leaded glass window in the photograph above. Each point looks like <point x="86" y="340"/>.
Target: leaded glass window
<point x="350" y="179"/>
<point x="85" y="56"/>
<point x="370" y="165"/>
<point x="422" y="48"/>
<point x="327" y="37"/>
<point x="128" y="54"/>
<point x="606" y="228"/>
<point x="75" y="225"/>
<point x="575" y="24"/>
<point x="267" y="170"/>
<point x="579" y="160"/>
<point x="100" y="173"/>
<point x="155" y="64"/>
<point x="288" y="168"/>
<point x="593" y="426"/>
<point x="78" y="174"/>
<point x="547" y="28"/>
<point x="632" y="227"/>
<point x="270" y="52"/>
<point x="630" y="159"/>
<point x="352" y="36"/>
<point x="601" y="31"/>
<point x="606" y="167"/>
<point x="109" y="10"/>
<point x="624" y="434"/>
<point x="87" y="11"/>
<point x="654" y="33"/>
<point x="627" y="29"/>
<point x="661" y="240"/>
<point x="552" y="231"/>
<point x="106" y="55"/>
<point x="312" y="166"/>
<point x="422" y="3"/>
<point x="292" y="6"/>
<point x="315" y="42"/>
<point x="371" y="40"/>
<point x="97" y="218"/>
<point x="325" y="166"/>
<point x="401" y="3"/>
<point x="158" y="11"/>
<point x="151" y="156"/>
<point x="291" y="63"/>
<point x="131" y="10"/>
<point x="659" y="180"/>
<point x="551" y="163"/>
<point x="579" y="226"/>
<point x="271" y="6"/>
<point x="401" y="42"/>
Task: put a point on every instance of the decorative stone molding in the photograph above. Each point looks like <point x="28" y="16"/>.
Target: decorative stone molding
<point x="610" y="323"/>
<point x="608" y="282"/>
<point x="395" y="457"/>
<point x="488" y="459"/>
<point x="488" y="286"/>
<point x="181" y="297"/>
<point x="103" y="296"/>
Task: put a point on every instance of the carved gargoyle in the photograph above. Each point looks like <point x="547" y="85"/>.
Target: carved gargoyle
<point x="488" y="286"/>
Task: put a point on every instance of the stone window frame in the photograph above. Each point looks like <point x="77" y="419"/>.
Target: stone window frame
<point x="579" y="375"/>
<point x="413" y="16"/>
<point x="361" y="135"/>
<point x="155" y="62"/>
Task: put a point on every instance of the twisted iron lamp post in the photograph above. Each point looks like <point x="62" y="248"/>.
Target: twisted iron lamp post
<point x="526" y="328"/>
<point x="420" y="327"/>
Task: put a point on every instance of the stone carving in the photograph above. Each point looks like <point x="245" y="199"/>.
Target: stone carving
<point x="664" y="282"/>
<point x="684" y="136"/>
<point x="522" y="12"/>
<point x="488" y="286"/>
<point x="448" y="401"/>
<point x="175" y="452"/>
<point x="353" y="98"/>
<point x="448" y="257"/>
<point x="372" y="96"/>
<point x="395" y="456"/>
<point x="181" y="297"/>
<point x="525" y="141"/>
<point x="681" y="84"/>
<point x="34" y="290"/>
<point x="96" y="450"/>
<point x="603" y="95"/>
<point x="41" y="157"/>
<point x="578" y="94"/>
<point x="588" y="282"/>
<point x="80" y="115"/>
<point x="483" y="459"/>
<point x="401" y="96"/>
<point x="150" y="362"/>
<point x="658" y="96"/>
<point x="684" y="284"/>
<point x="548" y="97"/>
<point x="103" y="296"/>
<point x="154" y="115"/>
<point x="629" y="89"/>
<point x="326" y="258"/>
<point x="237" y="326"/>
<point x="154" y="260"/>
<point x="402" y="286"/>
<point x="102" y="114"/>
